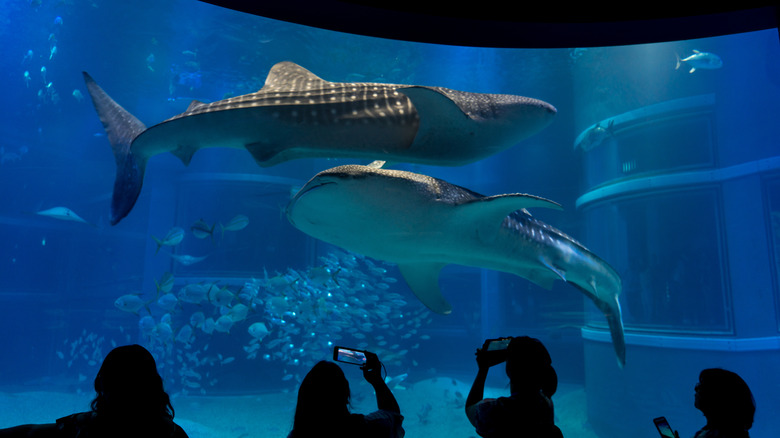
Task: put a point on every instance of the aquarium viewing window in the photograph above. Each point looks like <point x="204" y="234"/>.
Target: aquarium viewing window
<point x="772" y="189"/>
<point x="674" y="266"/>
<point x="582" y="176"/>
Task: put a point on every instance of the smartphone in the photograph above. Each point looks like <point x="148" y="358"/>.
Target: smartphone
<point x="350" y="355"/>
<point x="498" y="344"/>
<point x="663" y="427"/>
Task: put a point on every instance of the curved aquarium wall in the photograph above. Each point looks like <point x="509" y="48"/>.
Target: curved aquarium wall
<point x="239" y="272"/>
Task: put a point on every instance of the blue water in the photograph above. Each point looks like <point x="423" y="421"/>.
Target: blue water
<point x="680" y="199"/>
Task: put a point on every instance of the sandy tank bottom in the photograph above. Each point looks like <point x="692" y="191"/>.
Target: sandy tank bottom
<point x="431" y="408"/>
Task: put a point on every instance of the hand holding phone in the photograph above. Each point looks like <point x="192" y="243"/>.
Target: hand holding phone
<point x="372" y="370"/>
<point x="663" y="428"/>
<point x="493" y="352"/>
<point x="350" y="356"/>
<point x="497" y="344"/>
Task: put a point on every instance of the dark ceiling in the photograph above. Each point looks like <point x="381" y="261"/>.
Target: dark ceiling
<point x="519" y="24"/>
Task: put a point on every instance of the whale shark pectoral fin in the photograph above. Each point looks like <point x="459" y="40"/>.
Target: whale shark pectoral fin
<point x="554" y="269"/>
<point x="423" y="280"/>
<point x="438" y="114"/>
<point x="488" y="213"/>
<point x="432" y="104"/>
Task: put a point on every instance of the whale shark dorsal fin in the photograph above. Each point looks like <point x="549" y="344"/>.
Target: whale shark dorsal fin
<point x="194" y="104"/>
<point x="489" y="212"/>
<point x="283" y="74"/>
<point x="423" y="280"/>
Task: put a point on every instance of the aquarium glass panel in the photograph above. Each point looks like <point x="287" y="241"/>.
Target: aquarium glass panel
<point x="239" y="195"/>
<point x="674" y="275"/>
<point x="772" y="188"/>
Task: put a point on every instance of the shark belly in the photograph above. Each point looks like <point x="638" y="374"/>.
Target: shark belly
<point x="274" y="135"/>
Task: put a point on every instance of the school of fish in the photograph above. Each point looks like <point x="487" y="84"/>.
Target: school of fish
<point x="293" y="318"/>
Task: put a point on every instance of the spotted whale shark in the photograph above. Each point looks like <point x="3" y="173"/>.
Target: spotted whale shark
<point x="299" y="115"/>
<point x="423" y="223"/>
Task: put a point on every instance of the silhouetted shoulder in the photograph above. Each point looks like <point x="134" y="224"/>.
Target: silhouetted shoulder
<point x="89" y="425"/>
<point x="380" y="423"/>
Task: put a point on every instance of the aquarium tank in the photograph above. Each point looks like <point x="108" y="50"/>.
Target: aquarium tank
<point x="172" y="177"/>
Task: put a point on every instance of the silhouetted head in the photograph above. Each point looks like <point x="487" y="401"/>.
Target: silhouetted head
<point x="528" y="365"/>
<point x="323" y="400"/>
<point x="725" y="399"/>
<point x="128" y="384"/>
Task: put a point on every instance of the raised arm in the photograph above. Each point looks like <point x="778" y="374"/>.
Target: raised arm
<point x="372" y="372"/>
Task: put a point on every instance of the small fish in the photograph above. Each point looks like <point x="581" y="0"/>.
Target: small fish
<point x="320" y="275"/>
<point x="237" y="223"/>
<point x="52" y="52"/>
<point x="63" y="214"/>
<point x="258" y="331"/>
<point x="238" y="312"/>
<point x="197" y="319"/>
<point x="220" y="296"/>
<point x="202" y="230"/>
<point x="194" y="293"/>
<point x="165" y="284"/>
<point x="130" y="303"/>
<point x="208" y="326"/>
<point x="164" y="331"/>
<point x="174" y="237"/>
<point x="187" y="259"/>
<point x="185" y="335"/>
<point x="147" y="325"/>
<point x="223" y="324"/>
<point x="168" y="302"/>
<point x="701" y="60"/>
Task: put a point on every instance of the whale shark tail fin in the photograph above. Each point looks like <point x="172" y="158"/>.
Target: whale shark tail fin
<point x="121" y="129"/>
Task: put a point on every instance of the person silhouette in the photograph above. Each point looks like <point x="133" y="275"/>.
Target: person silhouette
<point x="322" y="408"/>
<point x="528" y="411"/>
<point x="726" y="402"/>
<point x="130" y="402"/>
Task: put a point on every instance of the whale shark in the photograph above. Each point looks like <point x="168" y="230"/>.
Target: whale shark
<point x="299" y="115"/>
<point x="422" y="224"/>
